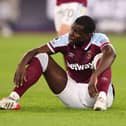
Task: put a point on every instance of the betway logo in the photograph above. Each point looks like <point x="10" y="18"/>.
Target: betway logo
<point x="77" y="66"/>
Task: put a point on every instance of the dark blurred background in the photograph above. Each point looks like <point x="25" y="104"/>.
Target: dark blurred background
<point x="37" y="15"/>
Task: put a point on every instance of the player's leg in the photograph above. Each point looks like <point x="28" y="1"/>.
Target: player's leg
<point x="73" y="94"/>
<point x="33" y="72"/>
<point x="103" y="85"/>
<point x="105" y="97"/>
<point x="42" y="63"/>
<point x="55" y="76"/>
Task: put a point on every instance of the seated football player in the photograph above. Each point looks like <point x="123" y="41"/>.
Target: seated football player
<point x="87" y="81"/>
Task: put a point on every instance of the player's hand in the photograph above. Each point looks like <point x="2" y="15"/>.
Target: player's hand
<point x="92" y="88"/>
<point x="20" y="76"/>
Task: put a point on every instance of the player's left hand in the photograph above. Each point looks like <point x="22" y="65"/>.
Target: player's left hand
<point x="92" y="88"/>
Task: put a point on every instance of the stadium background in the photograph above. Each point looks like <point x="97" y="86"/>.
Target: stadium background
<point x="38" y="14"/>
<point x="39" y="105"/>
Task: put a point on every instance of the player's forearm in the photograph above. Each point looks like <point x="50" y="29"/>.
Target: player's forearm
<point x="106" y="61"/>
<point x="28" y="56"/>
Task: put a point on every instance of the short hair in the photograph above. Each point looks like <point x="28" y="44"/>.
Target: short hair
<point x="87" y="22"/>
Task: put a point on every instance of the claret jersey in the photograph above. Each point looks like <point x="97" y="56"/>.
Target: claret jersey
<point x="79" y="59"/>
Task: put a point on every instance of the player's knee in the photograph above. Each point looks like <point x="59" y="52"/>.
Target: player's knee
<point x="96" y="60"/>
<point x="43" y="58"/>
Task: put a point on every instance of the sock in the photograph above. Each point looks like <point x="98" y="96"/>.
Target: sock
<point x="14" y="95"/>
<point x="102" y="94"/>
<point x="33" y="73"/>
<point x="104" y="81"/>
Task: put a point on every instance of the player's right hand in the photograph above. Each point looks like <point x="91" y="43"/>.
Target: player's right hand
<point x="20" y="76"/>
<point x="92" y="87"/>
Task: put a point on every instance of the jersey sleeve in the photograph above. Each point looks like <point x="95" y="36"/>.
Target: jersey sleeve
<point x="58" y="44"/>
<point x="100" y="40"/>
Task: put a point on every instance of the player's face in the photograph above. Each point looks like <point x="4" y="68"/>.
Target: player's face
<point x="77" y="35"/>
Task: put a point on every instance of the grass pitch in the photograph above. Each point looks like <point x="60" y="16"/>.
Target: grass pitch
<point x="39" y="105"/>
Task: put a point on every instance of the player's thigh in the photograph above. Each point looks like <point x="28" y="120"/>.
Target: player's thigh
<point x="55" y="76"/>
<point x="75" y="95"/>
<point x="70" y="96"/>
<point x="84" y="96"/>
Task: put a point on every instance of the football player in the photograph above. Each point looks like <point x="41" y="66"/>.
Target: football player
<point x="87" y="81"/>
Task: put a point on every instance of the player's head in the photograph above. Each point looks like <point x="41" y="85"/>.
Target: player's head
<point x="82" y="30"/>
<point x="87" y="23"/>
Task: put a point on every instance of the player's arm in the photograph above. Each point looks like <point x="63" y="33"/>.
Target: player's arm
<point x="20" y="71"/>
<point x="30" y="54"/>
<point x="106" y="61"/>
<point x="49" y="48"/>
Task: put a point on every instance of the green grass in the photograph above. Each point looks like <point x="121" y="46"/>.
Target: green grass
<point x="39" y="105"/>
